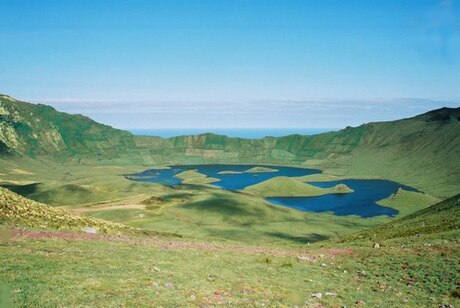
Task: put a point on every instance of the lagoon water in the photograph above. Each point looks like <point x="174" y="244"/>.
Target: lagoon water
<point x="362" y="202"/>
<point x="227" y="181"/>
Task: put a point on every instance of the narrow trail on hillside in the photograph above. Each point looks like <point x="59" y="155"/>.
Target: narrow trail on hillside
<point x="302" y="254"/>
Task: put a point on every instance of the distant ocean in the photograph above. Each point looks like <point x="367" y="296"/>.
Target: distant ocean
<point x="250" y="133"/>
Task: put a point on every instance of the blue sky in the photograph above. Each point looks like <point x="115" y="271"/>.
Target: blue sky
<point x="232" y="63"/>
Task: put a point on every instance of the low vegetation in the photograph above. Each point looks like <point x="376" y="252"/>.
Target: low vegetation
<point x="18" y="211"/>
<point x="439" y="221"/>
<point x="290" y="187"/>
<point x="260" y="170"/>
<point x="195" y="177"/>
<point x="380" y="150"/>
<point x="215" y="247"/>
<point x="407" y="202"/>
<point x="318" y="177"/>
<point x="229" y="172"/>
<point x="409" y="269"/>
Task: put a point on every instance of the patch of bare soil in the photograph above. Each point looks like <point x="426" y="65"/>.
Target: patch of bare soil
<point x="302" y="255"/>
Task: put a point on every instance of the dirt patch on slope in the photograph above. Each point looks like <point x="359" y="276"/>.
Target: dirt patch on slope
<point x="302" y="254"/>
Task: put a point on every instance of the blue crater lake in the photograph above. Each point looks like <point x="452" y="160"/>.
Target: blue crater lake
<point x="361" y="202"/>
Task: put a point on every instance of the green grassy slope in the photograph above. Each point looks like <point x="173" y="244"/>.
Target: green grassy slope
<point x="421" y="151"/>
<point x="71" y="184"/>
<point x="407" y="202"/>
<point x="418" y="270"/>
<point x="440" y="220"/>
<point x="203" y="212"/>
<point x="260" y="170"/>
<point x="194" y="177"/>
<point x="54" y="272"/>
<point x="16" y="210"/>
<point x="43" y="156"/>
<point x="281" y="186"/>
<point x="210" y="213"/>
<point x="35" y="130"/>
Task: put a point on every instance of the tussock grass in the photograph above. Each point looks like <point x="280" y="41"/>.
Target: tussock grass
<point x="18" y="211"/>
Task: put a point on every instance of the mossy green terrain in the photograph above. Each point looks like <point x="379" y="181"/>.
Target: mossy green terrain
<point x="410" y="269"/>
<point x="260" y="170"/>
<point x="374" y="150"/>
<point x="289" y="187"/>
<point x="101" y="190"/>
<point x="257" y="169"/>
<point x="38" y="130"/>
<point x="438" y="222"/>
<point x="211" y="213"/>
<point x="407" y="202"/>
<point x="202" y="212"/>
<point x="197" y="245"/>
<point x="195" y="177"/>
<point x="18" y="211"/>
<point x="319" y="177"/>
<point x="229" y="172"/>
<point x="111" y="273"/>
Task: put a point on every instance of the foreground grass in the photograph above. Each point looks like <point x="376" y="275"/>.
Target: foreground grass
<point x="73" y="272"/>
<point x="416" y="264"/>
<point x="19" y="211"/>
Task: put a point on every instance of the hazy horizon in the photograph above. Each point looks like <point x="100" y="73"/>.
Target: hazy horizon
<point x="230" y="64"/>
<point x="279" y="115"/>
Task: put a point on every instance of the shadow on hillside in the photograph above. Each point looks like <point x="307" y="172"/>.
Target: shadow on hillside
<point x="311" y="238"/>
<point x="223" y="206"/>
<point x="178" y="196"/>
<point x="23" y="190"/>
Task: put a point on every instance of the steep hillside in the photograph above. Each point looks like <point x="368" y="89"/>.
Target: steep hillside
<point x="16" y="210"/>
<point x="35" y="130"/>
<point x="440" y="219"/>
<point x="421" y="151"/>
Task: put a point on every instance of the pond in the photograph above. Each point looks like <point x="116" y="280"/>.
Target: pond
<point x="361" y="202"/>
